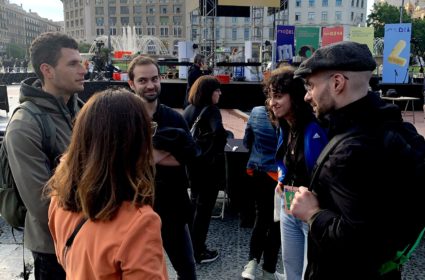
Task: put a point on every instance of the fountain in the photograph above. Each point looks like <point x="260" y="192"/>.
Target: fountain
<point x="130" y="41"/>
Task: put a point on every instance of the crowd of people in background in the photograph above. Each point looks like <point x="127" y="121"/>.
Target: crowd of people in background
<point x="13" y="65"/>
<point x="114" y="193"/>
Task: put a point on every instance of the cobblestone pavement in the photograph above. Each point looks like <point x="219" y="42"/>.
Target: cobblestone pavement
<point x="225" y="235"/>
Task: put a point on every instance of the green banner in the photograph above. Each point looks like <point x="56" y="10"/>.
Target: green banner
<point x="306" y="40"/>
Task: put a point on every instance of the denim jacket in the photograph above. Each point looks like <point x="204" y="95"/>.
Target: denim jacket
<point x="261" y="139"/>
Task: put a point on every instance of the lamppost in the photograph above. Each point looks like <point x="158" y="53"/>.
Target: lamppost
<point x="401" y="11"/>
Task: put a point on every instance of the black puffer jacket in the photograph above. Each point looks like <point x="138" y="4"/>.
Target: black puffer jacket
<point x="357" y="188"/>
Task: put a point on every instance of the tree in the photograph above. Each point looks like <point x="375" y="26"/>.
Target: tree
<point x="15" y="50"/>
<point x="383" y="13"/>
<point x="84" y="47"/>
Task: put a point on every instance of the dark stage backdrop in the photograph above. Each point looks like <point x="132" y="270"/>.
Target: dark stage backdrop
<point x="235" y="95"/>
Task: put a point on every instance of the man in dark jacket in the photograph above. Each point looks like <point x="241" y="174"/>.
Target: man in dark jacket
<point x="351" y="207"/>
<point x="194" y="73"/>
<point x="57" y="63"/>
<point x="173" y="148"/>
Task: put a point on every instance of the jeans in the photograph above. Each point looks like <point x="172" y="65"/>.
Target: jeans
<point x="265" y="237"/>
<point x="46" y="267"/>
<point x="294" y="234"/>
<point x="178" y="245"/>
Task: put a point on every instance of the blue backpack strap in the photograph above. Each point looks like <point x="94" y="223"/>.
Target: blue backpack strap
<point x="315" y="139"/>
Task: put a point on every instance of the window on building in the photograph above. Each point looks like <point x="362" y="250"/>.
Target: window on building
<point x="81" y="12"/>
<point x="151" y="31"/>
<point x="246" y="34"/>
<point x="113" y="21"/>
<point x="163" y="31"/>
<point x="67" y="15"/>
<point x="137" y="10"/>
<point x="113" y="31"/>
<point x="163" y="9"/>
<point x="194" y="19"/>
<point x="352" y="3"/>
<point x="163" y="20"/>
<point x="81" y="21"/>
<point x="311" y="16"/>
<point x="100" y="31"/>
<point x="111" y="2"/>
<point x="150" y="20"/>
<point x="298" y="3"/>
<point x="150" y="9"/>
<point x="72" y="13"/>
<point x="357" y="3"/>
<point x="352" y="16"/>
<point x="124" y="10"/>
<point x="177" y="31"/>
<point x="217" y="33"/>
<point x="177" y="20"/>
<point x="234" y="34"/>
<point x="338" y="3"/>
<point x="177" y="9"/>
<point x="362" y="5"/>
<point x="137" y="20"/>
<point x="361" y="17"/>
<point x="72" y="23"/>
<point x="234" y="20"/>
<point x="324" y="16"/>
<point x="194" y="34"/>
<point x="297" y="16"/>
<point x="98" y="2"/>
<point x="338" y="15"/>
<point x="311" y="3"/>
<point x="125" y="20"/>
<point x="124" y="1"/>
<point x="112" y="10"/>
<point x="139" y="31"/>
<point x="137" y="1"/>
<point x="324" y="3"/>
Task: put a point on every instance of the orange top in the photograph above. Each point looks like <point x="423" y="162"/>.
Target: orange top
<point x="127" y="247"/>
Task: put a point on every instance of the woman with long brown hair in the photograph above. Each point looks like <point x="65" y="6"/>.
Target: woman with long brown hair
<point x="102" y="193"/>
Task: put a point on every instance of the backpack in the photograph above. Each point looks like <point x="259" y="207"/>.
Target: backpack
<point x="12" y="208"/>
<point x="410" y="146"/>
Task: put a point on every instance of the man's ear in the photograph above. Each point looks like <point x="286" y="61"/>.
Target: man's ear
<point x="131" y="84"/>
<point x="47" y="71"/>
<point x="340" y="82"/>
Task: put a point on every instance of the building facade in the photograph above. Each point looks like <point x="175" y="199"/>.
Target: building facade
<point x="86" y="20"/>
<point x="18" y="28"/>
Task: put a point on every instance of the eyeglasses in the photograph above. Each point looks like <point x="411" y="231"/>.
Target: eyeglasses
<point x="154" y="127"/>
<point x="309" y="86"/>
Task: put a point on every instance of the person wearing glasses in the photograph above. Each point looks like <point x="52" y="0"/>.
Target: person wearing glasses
<point x="353" y="208"/>
<point x="301" y="139"/>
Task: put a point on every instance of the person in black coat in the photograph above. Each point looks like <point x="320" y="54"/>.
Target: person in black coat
<point x="194" y="73"/>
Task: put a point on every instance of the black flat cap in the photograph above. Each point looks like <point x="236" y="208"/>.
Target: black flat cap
<point x="344" y="56"/>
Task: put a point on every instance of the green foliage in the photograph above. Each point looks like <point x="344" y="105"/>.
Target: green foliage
<point x="15" y="50"/>
<point x="383" y="13"/>
<point x="84" y="47"/>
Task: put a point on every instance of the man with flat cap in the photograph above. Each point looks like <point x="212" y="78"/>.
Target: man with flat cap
<point x="351" y="206"/>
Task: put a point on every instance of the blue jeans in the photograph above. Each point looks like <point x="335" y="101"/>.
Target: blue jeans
<point x="46" y="267"/>
<point x="294" y="235"/>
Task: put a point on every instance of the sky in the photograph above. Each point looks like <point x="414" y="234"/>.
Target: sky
<point x="51" y="9"/>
